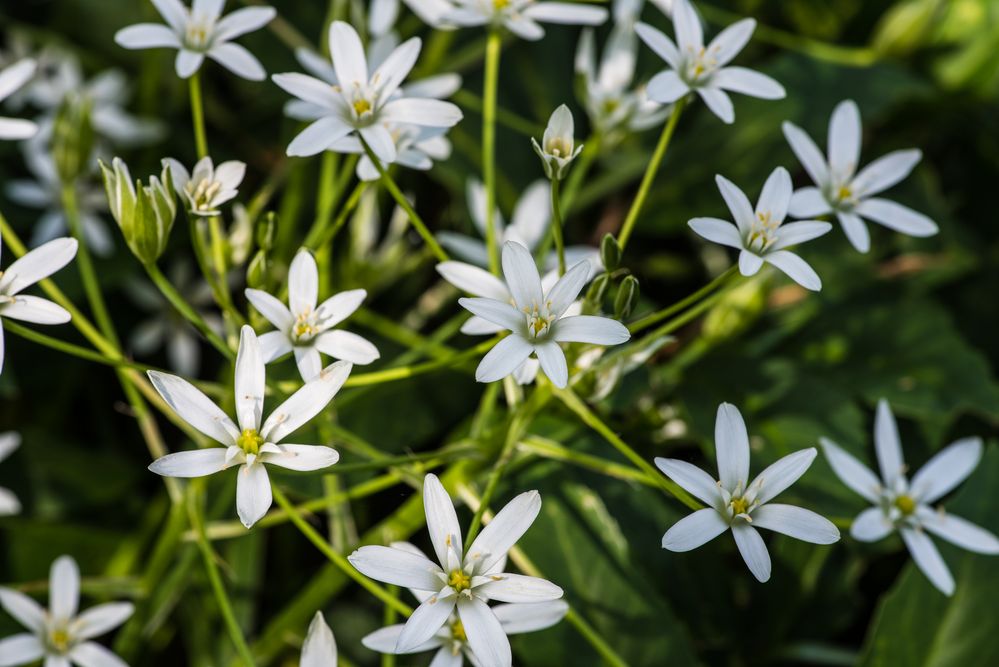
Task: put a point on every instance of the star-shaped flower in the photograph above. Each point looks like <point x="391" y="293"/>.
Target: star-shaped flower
<point x="847" y="193"/>
<point x="249" y="445"/>
<point x="903" y="506"/>
<point x="736" y="504"/>
<point x="12" y="78"/>
<point x="521" y="17"/>
<point x="207" y="187"/>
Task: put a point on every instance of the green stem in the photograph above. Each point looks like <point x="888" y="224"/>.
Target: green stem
<point x="650" y="173"/>
<point x="493" y="47"/>
<point x="682" y="319"/>
<point x="70" y="348"/>
<point x="557" y="227"/>
<point x="182" y="307"/>
<point x="669" y="311"/>
<point x="323" y="233"/>
<point x="591" y="149"/>
<point x="550" y="449"/>
<point x="198" y="115"/>
<point x="402" y="372"/>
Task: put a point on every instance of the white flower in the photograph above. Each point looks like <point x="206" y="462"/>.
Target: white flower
<point x="521" y="17"/>
<point x="60" y="634"/>
<point x="12" y="78"/>
<point x="537" y="319"/>
<point x="249" y="445"/>
<point x="362" y="101"/>
<point x="35" y="265"/>
<point x="198" y="32"/>
<point x="558" y="145"/>
<point x="451" y="641"/>
<point x="207" y="187"/>
<point x="465" y="581"/>
<point x="847" y="193"/>
<point x="303" y="328"/>
<point x="904" y="506"/>
<point x="742" y="506"/>
<point x="702" y="69"/>
<point x="319" y="649"/>
<point x="760" y="235"/>
<point x="9" y="503"/>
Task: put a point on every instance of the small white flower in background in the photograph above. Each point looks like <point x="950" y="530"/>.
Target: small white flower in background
<point x="537" y="319"/>
<point x="760" y="235"/>
<point x="521" y="17"/>
<point x="319" y="649"/>
<point x="9" y="503"/>
<point x="363" y="101"/>
<point x="61" y="634"/>
<point x="201" y="31"/>
<point x="249" y="445"/>
<point x="35" y="265"/>
<point x="207" y="187"/>
<point x="304" y="328"/>
<point x="694" y="67"/>
<point x="558" y="145"/>
<point x="462" y="581"/>
<point x="451" y="641"/>
<point x="11" y="79"/>
<point x="847" y="193"/>
<point x="734" y="503"/>
<point x="903" y="505"/>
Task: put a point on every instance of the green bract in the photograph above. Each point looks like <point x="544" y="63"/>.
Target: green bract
<point x="145" y="213"/>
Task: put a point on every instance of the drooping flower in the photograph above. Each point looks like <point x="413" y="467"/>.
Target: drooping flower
<point x="61" y="634"/>
<point x="364" y="102"/>
<point x="11" y="79"/>
<point x="694" y="67"/>
<point x="461" y="581"/>
<point x="903" y="505"/>
<point x="248" y="445"/>
<point x="199" y="32"/>
<point x="207" y="187"/>
<point x="521" y="17"/>
<point x="841" y="189"/>
<point x="537" y="319"/>
<point x="761" y="235"/>
<point x="319" y="649"/>
<point x="35" y="265"/>
<point x="304" y="328"/>
<point x="9" y="504"/>
<point x="734" y="503"/>
<point x="558" y="146"/>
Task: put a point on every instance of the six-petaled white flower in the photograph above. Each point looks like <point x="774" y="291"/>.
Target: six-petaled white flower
<point x="462" y="581"/>
<point x="249" y="445"/>
<point x="319" y="649"/>
<point x="903" y="505"/>
<point x="61" y="634"/>
<point x="11" y="79"/>
<point x="304" y="328"/>
<point x="761" y="235"/>
<point x="841" y="189"/>
<point x="537" y="319"/>
<point x="694" y="67"/>
<point x="201" y="31"/>
<point x="521" y="17"/>
<point x="9" y="504"/>
<point x="558" y="146"/>
<point x="736" y="504"/>
<point x="207" y="187"/>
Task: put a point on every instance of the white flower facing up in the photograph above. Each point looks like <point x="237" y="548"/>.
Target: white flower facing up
<point x="841" y="189"/>
<point x="903" y="505"/>
<point x="462" y="581"/>
<point x="199" y="32"/>
<point x="537" y="319"/>
<point x="319" y="649"/>
<point x="60" y="634"/>
<point x="558" y="146"/>
<point x="694" y="67"/>
<point x="248" y="445"/>
<point x="35" y="265"/>
<point x="9" y="504"/>
<point x="734" y="503"/>
<point x="365" y="102"/>
<point x="521" y="17"/>
<point x="304" y="328"/>
<point x="761" y="235"/>
<point x="207" y="187"/>
<point x="11" y="79"/>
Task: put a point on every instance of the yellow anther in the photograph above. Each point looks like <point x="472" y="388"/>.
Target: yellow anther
<point x="59" y="639"/>
<point x="249" y="441"/>
<point x="844" y="192"/>
<point x="458" y="632"/>
<point x="905" y="504"/>
<point x="500" y="4"/>
<point x="739" y="506"/>
<point x="362" y="106"/>
<point x="459" y="581"/>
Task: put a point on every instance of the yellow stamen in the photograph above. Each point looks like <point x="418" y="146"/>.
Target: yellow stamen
<point x="458" y="632"/>
<point x="459" y="581"/>
<point x="362" y="106"/>
<point x="249" y="441"/>
<point x="905" y="504"/>
<point x="740" y="506"/>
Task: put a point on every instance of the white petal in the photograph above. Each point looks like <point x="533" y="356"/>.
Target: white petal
<point x="796" y="522"/>
<point x="507" y="587"/>
<point x="442" y="521"/>
<point x="9" y="441"/>
<point x="731" y="447"/>
<point x="477" y="326"/>
<point x="385" y="640"/>
<point x="437" y="87"/>
<point x="16" y="129"/>
<point x="146" y="36"/>
<point x="37" y="264"/>
<point x="53" y="660"/>
<point x="15" y="76"/>
<point x="194" y="463"/>
<point x="522" y="276"/>
<point x="946" y="470"/>
<point x="92" y="654"/>
<point x="748" y="82"/>
<point x="348" y="54"/>
<point x="271" y="308"/>
<point x="25" y="611"/>
<point x="717" y="231"/>
<point x="173" y="12"/>
<point x="310" y="89"/>
<point x="273" y="345"/>
<point x="687" y="26"/>
<point x="229" y="174"/>
<point x="855" y="230"/>
<point x="730" y="41"/>
<point x="421" y="111"/>
<point x="503" y="359"/>
<point x="485" y="634"/>
<point x="380" y="141"/>
<point x="590" y="329"/>
<point x="749" y="263"/>
<point x="318" y="136"/>
<point x="498" y="312"/>
<point x="396" y="67"/>
<point x="250" y="383"/>
<point x="20" y="649"/>
<point x="793" y="233"/>
<point x="666" y="87"/>
<point x="36" y="310"/>
<point x="425" y="621"/>
<point x="844" y="140"/>
<point x="464" y="247"/>
<point x="397" y="567"/>
<point x="306" y="403"/>
<point x="694" y="530"/>
<point x="692" y="479"/>
<point x="500" y="534"/>
<point x="871" y="525"/>
<point x="531" y="216"/>
<point x="851" y="472"/>
<point x="319" y="649"/>
<point x="64" y="588"/>
<point x="753" y="550"/>
<point x="928" y="559"/>
<point x="660" y="43"/>
<point x="308" y="361"/>
<point x="895" y="216"/>
<point x="304" y="458"/>
<point x="958" y="531"/>
<point x="103" y="618"/>
<point x="9" y="504"/>
<point x="566" y="12"/>
<point x="781" y="474"/>
<point x="188" y="62"/>
<point x="253" y="493"/>
<point x="518" y="618"/>
<point x="776" y="195"/>
<point x="887" y="445"/>
<point x="809" y="155"/>
<point x="808" y="202"/>
<point x="885" y="172"/>
<point x="796" y="269"/>
<point x="523" y="27"/>
<point x="208" y="8"/>
<point x="553" y="363"/>
<point x="340" y="306"/>
<point x="243" y="21"/>
<point x="719" y="103"/>
<point x="303" y="283"/>
<point x="568" y="287"/>
<point x="194" y="407"/>
<point x="475" y="281"/>
<point x="347" y="346"/>
<point x="738" y="204"/>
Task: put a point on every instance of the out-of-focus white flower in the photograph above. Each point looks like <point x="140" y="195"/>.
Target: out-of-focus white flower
<point x="521" y="17"/>
<point x="207" y="187"/>
<point x="307" y="330"/>
<point x="760" y="235"/>
<point x="319" y="649"/>
<point x="249" y="445"/>
<point x="558" y="146"/>
<point x="694" y="67"/>
<point x="11" y="79"/>
<point x="847" y="193"/>
<point x="9" y="504"/>
<point x="61" y="634"/>
<point x="903" y="505"/>
<point x="734" y="503"/>
<point x="201" y="31"/>
<point x="383" y="13"/>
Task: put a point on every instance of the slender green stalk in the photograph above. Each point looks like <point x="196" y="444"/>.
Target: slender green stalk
<point x="389" y="618"/>
<point x="469" y="100"/>
<point x="198" y="115"/>
<point x="682" y="319"/>
<point x="650" y="173"/>
<point x="336" y="558"/>
<point x="550" y="449"/>
<point x="557" y="227"/>
<point x="325" y="230"/>
<point x="184" y="308"/>
<point x="660" y="315"/>
<point x="70" y="348"/>
<point x="391" y="329"/>
<point x="580" y="169"/>
<point x="493" y="46"/>
<point x="402" y="372"/>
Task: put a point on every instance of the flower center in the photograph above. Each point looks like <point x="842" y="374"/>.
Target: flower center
<point x="459" y="581"/>
<point x="700" y="65"/>
<point x="500" y="5"/>
<point x="60" y="640"/>
<point x="361" y="107"/>
<point x="198" y="35"/>
<point x="249" y="441"/>
<point x="203" y="194"/>
<point x="763" y="233"/>
<point x="306" y="327"/>
<point x="905" y="504"/>
<point x="559" y="147"/>
<point x="539" y="319"/>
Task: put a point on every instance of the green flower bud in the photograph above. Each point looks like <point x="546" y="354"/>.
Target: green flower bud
<point x="610" y="253"/>
<point x="627" y="297"/>
<point x="72" y="138"/>
<point x="256" y="272"/>
<point x="144" y="213"/>
<point x="598" y="289"/>
<point x="265" y="231"/>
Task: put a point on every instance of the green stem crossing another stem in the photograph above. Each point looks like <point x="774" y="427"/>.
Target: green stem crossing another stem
<point x="182" y="307"/>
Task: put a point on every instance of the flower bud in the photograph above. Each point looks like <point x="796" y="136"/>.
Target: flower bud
<point x="256" y="272"/>
<point x="627" y="297"/>
<point x="610" y="253"/>
<point x="598" y="289"/>
<point x="72" y="138"/>
<point x="145" y="213"/>
<point x="558" y="147"/>
<point x="265" y="231"/>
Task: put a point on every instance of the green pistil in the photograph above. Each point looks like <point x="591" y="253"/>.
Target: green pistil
<point x="249" y="441"/>
<point x="905" y="504"/>
<point x="459" y="581"/>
